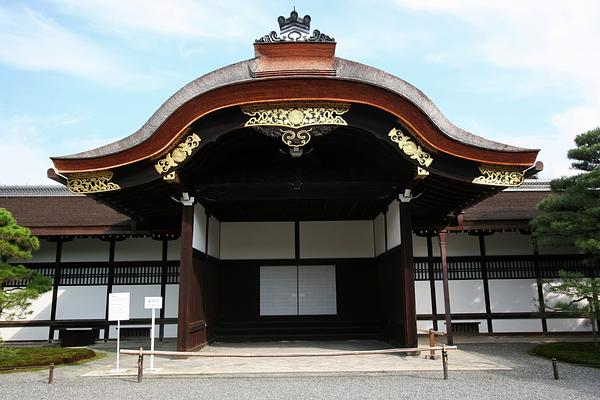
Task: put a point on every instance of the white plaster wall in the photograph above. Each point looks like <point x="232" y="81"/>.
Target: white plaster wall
<point x="393" y="225"/>
<point x="138" y="292"/>
<point x="46" y="252"/>
<point x="173" y="250"/>
<point x="420" y="246"/>
<point x="379" y="234"/>
<point x="513" y="295"/>
<point x="425" y="325"/>
<point x="461" y="244"/>
<point x="465" y="296"/>
<point x="568" y="325"/>
<point x="25" y="333"/>
<point x="138" y="249"/>
<point x="40" y="308"/>
<point x="336" y="239"/>
<point x="81" y="302"/>
<point x="508" y="243"/>
<point x="80" y="249"/>
<point x="517" y="325"/>
<point x="214" y="237"/>
<point x="170" y="331"/>
<point x="423" y="297"/>
<point x="199" y="233"/>
<point x="559" y="250"/>
<point x="257" y="240"/>
<point x="171" y="301"/>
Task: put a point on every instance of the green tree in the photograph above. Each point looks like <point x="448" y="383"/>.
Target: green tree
<point x="16" y="242"/>
<point x="572" y="218"/>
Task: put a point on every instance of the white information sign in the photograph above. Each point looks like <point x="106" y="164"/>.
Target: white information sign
<point x="118" y="306"/>
<point x="118" y="310"/>
<point x="152" y="303"/>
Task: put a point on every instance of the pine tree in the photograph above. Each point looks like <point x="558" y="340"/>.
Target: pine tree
<point x="17" y="243"/>
<point x="572" y="218"/>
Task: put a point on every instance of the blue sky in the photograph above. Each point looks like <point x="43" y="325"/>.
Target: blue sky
<point x="76" y="74"/>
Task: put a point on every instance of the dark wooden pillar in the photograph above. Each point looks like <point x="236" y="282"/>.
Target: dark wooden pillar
<point x="540" y="284"/>
<point x="163" y="287"/>
<point x="407" y="274"/>
<point x="486" y="286"/>
<point x="191" y="326"/>
<point x="186" y="277"/>
<point x="110" y="283"/>
<point x="55" y="285"/>
<point x="431" y="274"/>
<point x="447" y="312"/>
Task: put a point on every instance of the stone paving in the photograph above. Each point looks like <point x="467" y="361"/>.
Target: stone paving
<point x="459" y="360"/>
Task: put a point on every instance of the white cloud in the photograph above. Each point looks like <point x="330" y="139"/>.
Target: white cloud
<point x="29" y="40"/>
<point x="23" y="152"/>
<point x="223" y="19"/>
<point x="557" y="40"/>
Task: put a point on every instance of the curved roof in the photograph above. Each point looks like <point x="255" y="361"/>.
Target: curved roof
<point x="346" y="70"/>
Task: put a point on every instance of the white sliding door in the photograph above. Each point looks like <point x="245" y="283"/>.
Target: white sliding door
<point x="278" y="290"/>
<point x="316" y="290"/>
<point x="303" y="290"/>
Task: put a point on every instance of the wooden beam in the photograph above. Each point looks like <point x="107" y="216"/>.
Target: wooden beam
<point x="408" y="276"/>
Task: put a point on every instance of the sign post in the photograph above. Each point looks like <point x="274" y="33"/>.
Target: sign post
<point x="152" y="303"/>
<point x="118" y="310"/>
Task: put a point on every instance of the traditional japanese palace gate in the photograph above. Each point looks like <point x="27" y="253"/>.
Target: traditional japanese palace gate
<point x="295" y="181"/>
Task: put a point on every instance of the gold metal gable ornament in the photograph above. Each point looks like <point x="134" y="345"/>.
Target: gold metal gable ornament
<point x="410" y="148"/>
<point x="498" y="176"/>
<point x="91" y="182"/>
<point x="178" y="154"/>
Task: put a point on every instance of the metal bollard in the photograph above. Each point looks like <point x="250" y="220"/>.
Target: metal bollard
<point x="140" y="366"/>
<point x="555" y="368"/>
<point x="445" y="361"/>
<point x="51" y="374"/>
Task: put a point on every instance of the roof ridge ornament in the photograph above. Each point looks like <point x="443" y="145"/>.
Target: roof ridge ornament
<point x="295" y="29"/>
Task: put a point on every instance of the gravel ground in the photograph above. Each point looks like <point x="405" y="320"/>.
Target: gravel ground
<point x="531" y="378"/>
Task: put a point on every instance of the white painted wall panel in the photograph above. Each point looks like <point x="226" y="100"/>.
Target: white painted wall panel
<point x="513" y="295"/>
<point x="25" y="333"/>
<point x="517" y="325"/>
<point x="465" y="296"/>
<point x="199" y="234"/>
<point x="85" y="250"/>
<point x="138" y="292"/>
<point x="419" y="246"/>
<point x="171" y="301"/>
<point x="393" y="225"/>
<point x="81" y="302"/>
<point x="214" y="237"/>
<point x="171" y="331"/>
<point x="138" y="249"/>
<point x="423" y="297"/>
<point x="568" y="325"/>
<point x="173" y="250"/>
<point x="425" y="325"/>
<point x="40" y="308"/>
<point x="508" y="243"/>
<point x="257" y="240"/>
<point x="461" y="244"/>
<point x="336" y="239"/>
<point x="559" y="250"/>
<point x="379" y="234"/>
<point x="46" y="252"/>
